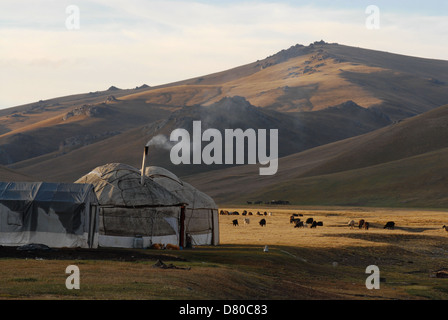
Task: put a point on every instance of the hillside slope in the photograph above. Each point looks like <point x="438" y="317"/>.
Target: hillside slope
<point x="315" y="95"/>
<point x="368" y="164"/>
<point x="7" y="175"/>
<point x="297" y="132"/>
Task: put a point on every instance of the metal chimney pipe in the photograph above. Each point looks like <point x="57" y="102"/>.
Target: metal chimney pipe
<point x="145" y="154"/>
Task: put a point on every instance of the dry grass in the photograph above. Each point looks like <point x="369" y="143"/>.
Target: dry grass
<point x="324" y="263"/>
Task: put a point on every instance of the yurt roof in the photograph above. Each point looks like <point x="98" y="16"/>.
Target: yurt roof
<point x="194" y="198"/>
<point x="118" y="184"/>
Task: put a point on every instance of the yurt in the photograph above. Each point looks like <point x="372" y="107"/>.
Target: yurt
<point x="53" y="214"/>
<point x="134" y="211"/>
<point x="201" y="214"/>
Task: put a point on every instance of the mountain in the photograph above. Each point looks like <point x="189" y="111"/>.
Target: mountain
<point x="403" y="164"/>
<point x="322" y="98"/>
<point x="318" y="76"/>
<point x="296" y="133"/>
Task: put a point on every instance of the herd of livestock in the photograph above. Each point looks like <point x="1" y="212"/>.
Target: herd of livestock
<point x="296" y="220"/>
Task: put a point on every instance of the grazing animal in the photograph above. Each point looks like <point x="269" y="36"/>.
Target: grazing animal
<point x="314" y="224"/>
<point x="259" y="214"/>
<point x="250" y="213"/>
<point x="292" y="219"/>
<point x="366" y="225"/>
<point x="390" y="225"/>
<point x="263" y="222"/>
<point x="320" y="224"/>
<point x="246" y="220"/>
<point x="309" y="221"/>
<point x="351" y="224"/>
<point x="235" y="222"/>
<point x="298" y="224"/>
<point x="446" y="228"/>
<point x="361" y="223"/>
<point x="295" y="214"/>
<point x="244" y="213"/>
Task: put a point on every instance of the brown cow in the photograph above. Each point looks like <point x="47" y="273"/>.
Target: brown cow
<point x="361" y="223"/>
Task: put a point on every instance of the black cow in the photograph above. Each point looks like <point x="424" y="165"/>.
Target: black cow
<point x="293" y="219"/>
<point x="262" y="222"/>
<point x="314" y="224"/>
<point x="390" y="225"/>
<point x="366" y="225"/>
<point x="320" y="224"/>
<point x="235" y="222"/>
<point x="309" y="221"/>
<point x="298" y="224"/>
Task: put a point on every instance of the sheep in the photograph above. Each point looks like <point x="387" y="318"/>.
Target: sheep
<point x="235" y="222"/>
<point x="246" y="221"/>
<point x="351" y="224"/>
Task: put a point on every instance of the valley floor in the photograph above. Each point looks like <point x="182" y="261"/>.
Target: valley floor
<point x="324" y="263"/>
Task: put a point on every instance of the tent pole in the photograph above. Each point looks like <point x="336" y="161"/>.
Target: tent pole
<point x="182" y="227"/>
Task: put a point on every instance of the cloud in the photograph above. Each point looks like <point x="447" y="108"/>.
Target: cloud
<point x="138" y="41"/>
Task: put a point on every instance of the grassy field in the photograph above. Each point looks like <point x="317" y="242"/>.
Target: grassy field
<point x="328" y="262"/>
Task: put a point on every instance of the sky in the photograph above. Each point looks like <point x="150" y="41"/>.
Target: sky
<point x="53" y="48"/>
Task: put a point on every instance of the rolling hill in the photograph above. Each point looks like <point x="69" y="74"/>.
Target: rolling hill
<point x="403" y="164"/>
<point x="339" y="110"/>
<point x="296" y="133"/>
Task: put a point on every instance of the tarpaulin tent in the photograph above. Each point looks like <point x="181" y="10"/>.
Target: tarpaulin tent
<point x="201" y="214"/>
<point x="130" y="209"/>
<point x="54" y="214"/>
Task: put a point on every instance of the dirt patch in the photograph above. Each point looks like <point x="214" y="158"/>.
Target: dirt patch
<point x="112" y="254"/>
